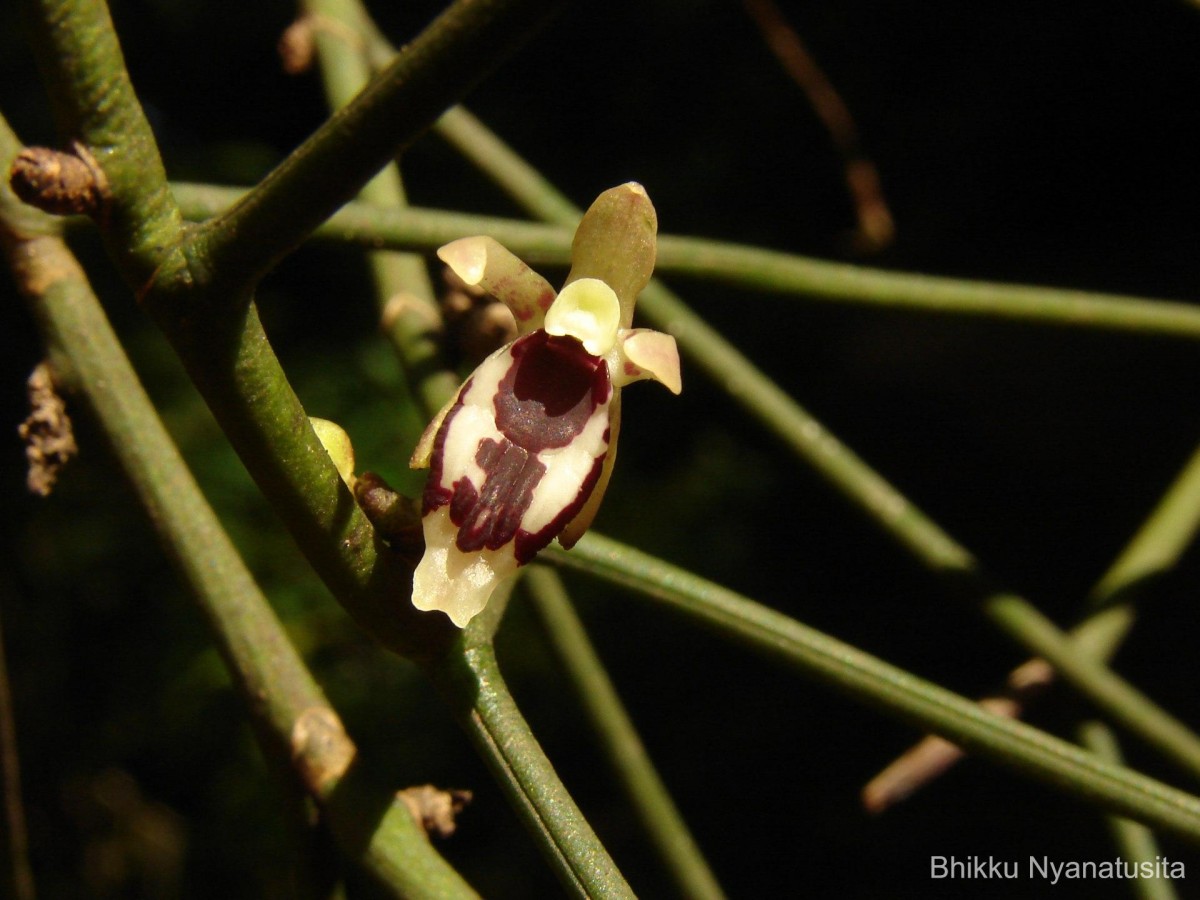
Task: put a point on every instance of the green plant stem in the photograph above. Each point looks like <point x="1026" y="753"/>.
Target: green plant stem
<point x="294" y="721"/>
<point x="1135" y="841"/>
<point x="736" y="265"/>
<point x="856" y="480"/>
<point x="493" y="722"/>
<point x="414" y="228"/>
<point x="465" y="43"/>
<point x="84" y="71"/>
<point x="470" y="680"/>
<point x="232" y="364"/>
<point x="906" y="523"/>
<point x="209" y="317"/>
<point x="771" y="270"/>
<point x="896" y="692"/>
<point x="619" y="739"/>
<point x="1154" y="550"/>
<point x="522" y="182"/>
<point x="403" y="288"/>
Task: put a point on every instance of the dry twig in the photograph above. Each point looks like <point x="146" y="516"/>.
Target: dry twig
<point x="875" y="225"/>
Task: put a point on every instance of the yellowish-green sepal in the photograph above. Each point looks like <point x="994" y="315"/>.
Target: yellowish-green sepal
<point x="616" y="242"/>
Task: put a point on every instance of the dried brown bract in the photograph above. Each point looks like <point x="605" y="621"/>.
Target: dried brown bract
<point x="435" y="809"/>
<point x="49" y="440"/>
<point x="321" y="748"/>
<point x="60" y="182"/>
<point x="396" y="517"/>
<point x="297" y="46"/>
<point x="477" y="323"/>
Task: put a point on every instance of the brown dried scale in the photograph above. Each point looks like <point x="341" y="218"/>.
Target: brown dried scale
<point x="60" y="182"/>
<point x="47" y="433"/>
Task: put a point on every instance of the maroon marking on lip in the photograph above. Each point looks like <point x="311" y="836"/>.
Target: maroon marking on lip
<point x="492" y="516"/>
<point x="550" y="391"/>
<point x="436" y="495"/>
<point x="544" y="401"/>
<point x="529" y="543"/>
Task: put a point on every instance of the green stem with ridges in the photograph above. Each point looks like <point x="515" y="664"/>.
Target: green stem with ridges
<point x="84" y="72"/>
<point x="470" y="680"/>
<point x="861" y="484"/>
<point x="487" y="711"/>
<point x="412" y="323"/>
<point x="1135" y="842"/>
<point x="619" y="739"/>
<point x="418" y="228"/>
<point x="465" y="43"/>
<point x="871" y="681"/>
<point x="771" y="270"/>
<point x="284" y="701"/>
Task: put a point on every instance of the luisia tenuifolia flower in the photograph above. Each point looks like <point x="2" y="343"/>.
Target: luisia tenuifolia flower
<point x="523" y="451"/>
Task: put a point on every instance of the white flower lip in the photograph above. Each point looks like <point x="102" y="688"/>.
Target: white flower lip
<point x="514" y="459"/>
<point x="589" y="311"/>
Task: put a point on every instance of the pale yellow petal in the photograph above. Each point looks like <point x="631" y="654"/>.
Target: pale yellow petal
<point x="587" y="310"/>
<point x="484" y="262"/>
<point x="648" y="354"/>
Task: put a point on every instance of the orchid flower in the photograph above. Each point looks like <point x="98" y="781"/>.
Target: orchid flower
<point x="523" y="451"/>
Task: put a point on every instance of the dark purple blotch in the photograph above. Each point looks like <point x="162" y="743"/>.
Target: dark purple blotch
<point x="549" y="392"/>
<point x="490" y="517"/>
<point x="544" y="401"/>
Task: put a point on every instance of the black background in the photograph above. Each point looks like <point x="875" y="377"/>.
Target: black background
<point x="1043" y="143"/>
